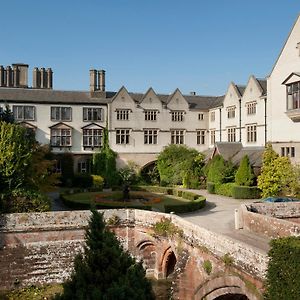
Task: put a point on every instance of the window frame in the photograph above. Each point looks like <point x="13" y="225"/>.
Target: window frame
<point x="123" y="136"/>
<point x="23" y="112"/>
<point x="293" y="95"/>
<point x="59" y="114"/>
<point x="150" y="136"/>
<point x="251" y="131"/>
<point x="177" y="115"/>
<point x="122" y="114"/>
<point x="177" y="136"/>
<point x="251" y="108"/>
<point x="201" y="134"/>
<point x="231" y="112"/>
<point x="86" y="136"/>
<point x="85" y="114"/>
<point x="61" y="137"/>
<point x="150" y="114"/>
<point x="231" y="134"/>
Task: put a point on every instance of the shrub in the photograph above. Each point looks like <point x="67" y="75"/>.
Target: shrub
<point x="244" y="175"/>
<point x="83" y="180"/>
<point x="211" y="187"/>
<point x="189" y="195"/>
<point x="284" y="269"/>
<point x="207" y="266"/>
<point x="22" y="201"/>
<point x="165" y="227"/>
<point x="67" y="171"/>
<point x="246" y="192"/>
<point x="224" y="189"/>
<point x="98" y="181"/>
<point x="186" y="207"/>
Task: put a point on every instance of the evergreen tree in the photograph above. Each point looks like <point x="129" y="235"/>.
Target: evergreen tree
<point x="105" y="271"/>
<point x="6" y="115"/>
<point x="244" y="175"/>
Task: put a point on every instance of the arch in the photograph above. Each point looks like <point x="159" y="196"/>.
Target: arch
<point x="168" y="264"/>
<point x="149" y="173"/>
<point x="147" y="254"/>
<point x="228" y="287"/>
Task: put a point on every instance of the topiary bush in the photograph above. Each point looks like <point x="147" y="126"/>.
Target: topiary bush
<point x="98" y="181"/>
<point x="244" y="175"/>
<point x="211" y="187"/>
<point x="283" y="269"/>
<point x="246" y="192"/>
<point x="187" y="207"/>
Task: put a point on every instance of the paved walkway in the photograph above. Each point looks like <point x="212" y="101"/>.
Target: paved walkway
<point x="218" y="216"/>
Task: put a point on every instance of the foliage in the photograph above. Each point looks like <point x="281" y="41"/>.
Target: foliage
<point x="278" y="176"/>
<point x="150" y="174"/>
<point x="227" y="259"/>
<point x="207" y="266"/>
<point x="105" y="271"/>
<point x="21" y="201"/>
<point x="104" y="162"/>
<point x="6" y="115"/>
<point x="211" y="187"/>
<point x="98" y="181"/>
<point x="284" y="269"/>
<point x="165" y="227"/>
<point x="244" y="175"/>
<point x="15" y="155"/>
<point x="220" y="171"/>
<point x="128" y="174"/>
<point x="67" y="169"/>
<point x="40" y="173"/>
<point x="179" y="164"/>
<point x="245" y="192"/>
<point x="82" y="180"/>
<point x="186" y="207"/>
<point x="225" y="189"/>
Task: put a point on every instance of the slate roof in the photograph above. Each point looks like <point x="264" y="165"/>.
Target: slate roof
<point x="235" y="152"/>
<point x="53" y="96"/>
<point x="241" y="89"/>
<point x="28" y="95"/>
<point x="263" y="84"/>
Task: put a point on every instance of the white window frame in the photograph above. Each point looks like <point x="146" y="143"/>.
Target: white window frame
<point x="92" y="137"/>
<point x="251" y="131"/>
<point x="212" y="136"/>
<point x="177" y="136"/>
<point x="231" y="134"/>
<point x="122" y="114"/>
<point x="251" y="108"/>
<point x="21" y="112"/>
<point x="92" y="114"/>
<point x="150" y="115"/>
<point x="201" y="137"/>
<point x="122" y="136"/>
<point x="59" y="113"/>
<point x="231" y="112"/>
<point x="61" y="137"/>
<point x="293" y="95"/>
<point x="177" y="116"/>
<point x="150" y="136"/>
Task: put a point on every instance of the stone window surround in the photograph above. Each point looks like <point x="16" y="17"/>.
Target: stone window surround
<point x="177" y="136"/>
<point x="150" y="136"/>
<point x="201" y="133"/>
<point x="24" y="112"/>
<point x="61" y="113"/>
<point x="122" y="136"/>
<point x="92" y="114"/>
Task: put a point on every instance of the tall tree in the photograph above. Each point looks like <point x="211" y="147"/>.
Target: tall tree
<point x="105" y="271"/>
<point x="6" y="115"/>
<point x="244" y="175"/>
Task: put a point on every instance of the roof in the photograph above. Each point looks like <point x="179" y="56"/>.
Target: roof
<point x="228" y="149"/>
<point x="29" y="95"/>
<point x="53" y="96"/>
<point x="235" y="152"/>
<point x="241" y="89"/>
<point x="263" y="84"/>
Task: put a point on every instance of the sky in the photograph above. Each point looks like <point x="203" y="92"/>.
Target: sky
<point x="192" y="45"/>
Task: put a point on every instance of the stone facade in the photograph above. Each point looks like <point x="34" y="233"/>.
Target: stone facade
<point x="39" y="248"/>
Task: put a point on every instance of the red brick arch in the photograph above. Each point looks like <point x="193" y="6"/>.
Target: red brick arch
<point x="168" y="262"/>
<point x="225" y="285"/>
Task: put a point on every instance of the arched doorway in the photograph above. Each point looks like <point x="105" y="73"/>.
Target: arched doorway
<point x="150" y="173"/>
<point x="232" y="297"/>
<point x="168" y="263"/>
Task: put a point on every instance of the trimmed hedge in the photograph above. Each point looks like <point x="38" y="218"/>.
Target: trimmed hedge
<point x="246" y="192"/>
<point x="225" y="189"/>
<point x="84" y="206"/>
<point x="283" y="269"/>
<point x="189" y="196"/>
<point x="188" y="207"/>
<point x="211" y="187"/>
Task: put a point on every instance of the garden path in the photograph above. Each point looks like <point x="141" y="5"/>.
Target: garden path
<point x="218" y="216"/>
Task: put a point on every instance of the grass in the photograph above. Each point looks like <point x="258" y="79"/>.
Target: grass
<point x="33" y="293"/>
<point x="156" y="200"/>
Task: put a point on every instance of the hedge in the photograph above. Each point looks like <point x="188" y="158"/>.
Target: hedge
<point x="187" y="207"/>
<point x="284" y="269"/>
<point x="84" y="206"/>
<point x="224" y="189"/>
<point x="246" y="192"/>
<point x="211" y="187"/>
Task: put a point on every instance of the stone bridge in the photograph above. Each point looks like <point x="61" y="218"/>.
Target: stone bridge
<point x="38" y="248"/>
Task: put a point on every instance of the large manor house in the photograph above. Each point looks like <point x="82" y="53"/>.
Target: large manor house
<point x="140" y="125"/>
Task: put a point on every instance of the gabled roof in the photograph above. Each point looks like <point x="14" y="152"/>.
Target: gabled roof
<point x="27" y="95"/>
<point x="61" y="125"/>
<point x="254" y="153"/>
<point x="291" y="75"/>
<point x="263" y="85"/>
<point x="227" y="149"/>
<point x="241" y="89"/>
<point x="92" y="125"/>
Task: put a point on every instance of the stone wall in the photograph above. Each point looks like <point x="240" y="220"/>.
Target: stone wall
<point x="40" y="247"/>
<point x="271" y="219"/>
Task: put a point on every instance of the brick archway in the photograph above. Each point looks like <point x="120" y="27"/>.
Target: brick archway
<point x="225" y="287"/>
<point x="147" y="253"/>
<point x="168" y="263"/>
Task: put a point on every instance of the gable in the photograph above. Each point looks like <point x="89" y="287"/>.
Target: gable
<point x="122" y="99"/>
<point x="294" y="77"/>
<point x="232" y="96"/>
<point x="177" y="101"/>
<point x="253" y="90"/>
<point x="150" y="100"/>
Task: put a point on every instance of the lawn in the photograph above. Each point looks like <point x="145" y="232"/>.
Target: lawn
<point x="137" y="198"/>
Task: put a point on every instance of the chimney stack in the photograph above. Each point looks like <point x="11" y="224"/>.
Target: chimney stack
<point x="20" y="75"/>
<point x="93" y="80"/>
<point x="36" y="78"/>
<point x="101" y="80"/>
<point x="8" y="76"/>
<point x="2" y="75"/>
<point x="50" y="78"/>
<point x="42" y="78"/>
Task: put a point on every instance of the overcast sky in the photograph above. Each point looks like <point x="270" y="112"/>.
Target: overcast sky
<point x="194" y="45"/>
